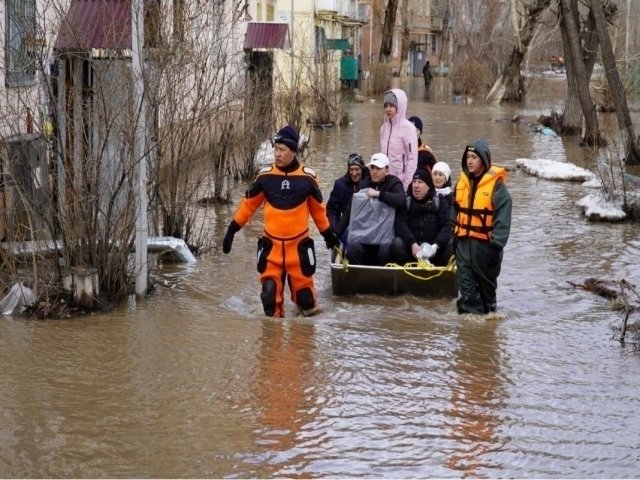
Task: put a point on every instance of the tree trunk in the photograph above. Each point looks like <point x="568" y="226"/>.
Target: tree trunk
<point x="510" y="85"/>
<point x="572" y="114"/>
<point x="406" y="37"/>
<point x="615" y="86"/>
<point x="573" y="52"/>
<point x="387" y="31"/>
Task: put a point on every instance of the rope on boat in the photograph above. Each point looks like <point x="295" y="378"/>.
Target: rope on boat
<point x="340" y="255"/>
<point x="427" y="267"/>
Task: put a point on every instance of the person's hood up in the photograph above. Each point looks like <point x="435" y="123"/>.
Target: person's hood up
<point x="403" y="103"/>
<point x="481" y="148"/>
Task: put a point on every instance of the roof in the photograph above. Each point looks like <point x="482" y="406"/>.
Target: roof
<point x="266" y="35"/>
<point x="96" y="24"/>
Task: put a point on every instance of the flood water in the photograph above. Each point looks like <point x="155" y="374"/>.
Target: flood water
<point x="195" y="382"/>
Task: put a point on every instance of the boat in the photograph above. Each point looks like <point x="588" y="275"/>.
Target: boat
<point x="420" y="279"/>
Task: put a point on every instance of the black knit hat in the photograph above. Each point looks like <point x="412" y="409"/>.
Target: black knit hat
<point x="416" y="123"/>
<point x="288" y="136"/>
<point x="423" y="175"/>
<point x="356" y="159"/>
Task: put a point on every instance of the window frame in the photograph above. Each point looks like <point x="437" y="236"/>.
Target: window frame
<point x="20" y="17"/>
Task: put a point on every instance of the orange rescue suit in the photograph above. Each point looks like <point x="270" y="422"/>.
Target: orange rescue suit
<point x="476" y="220"/>
<point x="289" y="196"/>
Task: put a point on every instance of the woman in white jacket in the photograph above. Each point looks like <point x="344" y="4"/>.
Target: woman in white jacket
<point x="398" y="140"/>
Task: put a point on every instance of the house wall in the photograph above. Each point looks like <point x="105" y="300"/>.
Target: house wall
<point x="15" y="100"/>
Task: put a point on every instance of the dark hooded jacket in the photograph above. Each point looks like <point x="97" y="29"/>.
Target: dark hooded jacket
<point x="340" y="196"/>
<point x="501" y="198"/>
<point x="427" y="220"/>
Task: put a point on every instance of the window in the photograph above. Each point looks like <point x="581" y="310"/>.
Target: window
<point x="22" y="42"/>
<point x="259" y="11"/>
<point x="270" y="13"/>
<point x="433" y="41"/>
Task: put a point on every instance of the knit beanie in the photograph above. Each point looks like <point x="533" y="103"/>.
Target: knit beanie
<point x="442" y="168"/>
<point x="423" y="175"/>
<point x="288" y="136"/>
<point x="391" y="98"/>
<point x="416" y="123"/>
<point x="355" y="159"/>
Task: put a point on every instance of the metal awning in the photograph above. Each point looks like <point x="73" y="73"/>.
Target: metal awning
<point x="266" y="35"/>
<point x="96" y="24"/>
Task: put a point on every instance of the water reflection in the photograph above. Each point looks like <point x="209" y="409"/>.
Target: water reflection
<point x="284" y="390"/>
<point x="476" y="398"/>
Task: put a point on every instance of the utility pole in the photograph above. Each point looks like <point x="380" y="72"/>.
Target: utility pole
<point x="139" y="156"/>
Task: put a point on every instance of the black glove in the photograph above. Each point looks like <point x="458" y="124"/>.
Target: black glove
<point x="228" y="238"/>
<point x="331" y="238"/>
<point x="493" y="256"/>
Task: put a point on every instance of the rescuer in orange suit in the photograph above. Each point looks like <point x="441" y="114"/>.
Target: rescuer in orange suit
<point x="290" y="193"/>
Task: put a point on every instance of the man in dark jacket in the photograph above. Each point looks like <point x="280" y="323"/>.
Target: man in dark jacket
<point x="388" y="190"/>
<point x="344" y="188"/>
<point x="426" y="220"/>
<point x="481" y="213"/>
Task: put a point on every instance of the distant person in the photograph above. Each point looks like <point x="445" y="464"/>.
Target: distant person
<point x="344" y="188"/>
<point x="427" y="220"/>
<point x="289" y="193"/>
<point x="482" y="221"/>
<point x="372" y="215"/>
<point x="441" y="175"/>
<point x="426" y="73"/>
<point x="426" y="156"/>
<point x="398" y="140"/>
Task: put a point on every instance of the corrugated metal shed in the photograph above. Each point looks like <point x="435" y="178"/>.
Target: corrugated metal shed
<point x="266" y="35"/>
<point x="96" y="24"/>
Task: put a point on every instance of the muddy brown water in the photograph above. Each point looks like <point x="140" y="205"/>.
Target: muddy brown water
<point x="195" y="382"/>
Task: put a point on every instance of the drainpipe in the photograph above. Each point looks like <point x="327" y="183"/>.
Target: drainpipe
<point x="137" y="41"/>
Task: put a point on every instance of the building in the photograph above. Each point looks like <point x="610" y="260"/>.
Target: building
<point x="428" y="24"/>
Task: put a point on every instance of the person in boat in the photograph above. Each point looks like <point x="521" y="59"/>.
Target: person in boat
<point x="398" y="139"/>
<point x="344" y="188"/>
<point x="441" y="175"/>
<point x="373" y="214"/>
<point x="481" y="213"/>
<point x="427" y="220"/>
<point x="426" y="156"/>
<point x="290" y="194"/>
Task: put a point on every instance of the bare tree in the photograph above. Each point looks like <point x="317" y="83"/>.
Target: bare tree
<point x="632" y="153"/>
<point x="387" y="31"/>
<point x="525" y="17"/>
<point x="573" y="51"/>
<point x="406" y="36"/>
<point x="571" y="120"/>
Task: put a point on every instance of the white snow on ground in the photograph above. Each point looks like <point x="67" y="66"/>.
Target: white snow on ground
<point x="553" y="170"/>
<point x="595" y="206"/>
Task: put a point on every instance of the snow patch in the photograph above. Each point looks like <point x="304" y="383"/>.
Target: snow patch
<point x="597" y="207"/>
<point x="554" y="170"/>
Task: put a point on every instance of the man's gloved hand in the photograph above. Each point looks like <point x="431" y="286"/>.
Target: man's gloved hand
<point x="493" y="256"/>
<point x="331" y="238"/>
<point x="228" y="238"/>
